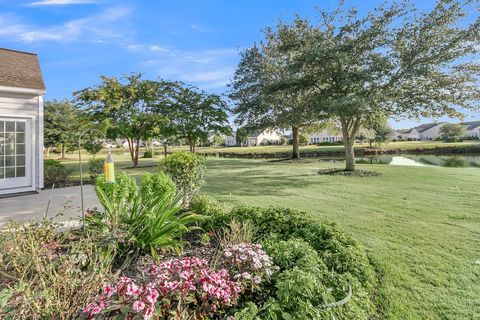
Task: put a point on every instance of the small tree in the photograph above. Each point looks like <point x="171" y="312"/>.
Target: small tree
<point x="61" y="124"/>
<point x="218" y="140"/>
<point x="133" y="107"/>
<point x="187" y="171"/>
<point x="452" y="132"/>
<point x="303" y="139"/>
<point x="195" y="115"/>
<point x="241" y="135"/>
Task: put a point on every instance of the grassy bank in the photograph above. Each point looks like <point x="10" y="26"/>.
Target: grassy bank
<point x="420" y="225"/>
<point x="416" y="147"/>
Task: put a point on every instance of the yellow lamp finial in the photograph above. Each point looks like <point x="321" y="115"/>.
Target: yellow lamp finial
<point x="109" y="169"/>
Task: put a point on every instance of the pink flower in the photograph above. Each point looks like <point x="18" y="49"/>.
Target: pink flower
<point x="257" y="279"/>
<point x="138" y="306"/>
<point x="149" y="312"/>
<point x="152" y="295"/>
<point x="246" y="275"/>
<point x="109" y="291"/>
<point x="132" y="290"/>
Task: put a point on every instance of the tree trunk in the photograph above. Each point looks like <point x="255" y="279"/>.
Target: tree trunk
<point x="137" y="151"/>
<point x="165" y="150"/>
<point x="47" y="152"/>
<point x="370" y="140"/>
<point x="63" y="151"/>
<point x="131" y="150"/>
<point x="191" y="144"/>
<point x="350" y="129"/>
<point x="295" y="143"/>
<point x="349" y="154"/>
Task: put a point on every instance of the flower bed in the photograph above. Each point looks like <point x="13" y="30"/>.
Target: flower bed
<point x="155" y="260"/>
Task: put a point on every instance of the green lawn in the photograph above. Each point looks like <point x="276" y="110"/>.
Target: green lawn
<point x="421" y="226"/>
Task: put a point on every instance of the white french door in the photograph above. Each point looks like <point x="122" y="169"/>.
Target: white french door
<point x="15" y="153"/>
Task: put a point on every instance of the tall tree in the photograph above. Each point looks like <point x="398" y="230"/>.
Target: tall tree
<point x="258" y="88"/>
<point x="132" y="107"/>
<point x="392" y="62"/>
<point x="61" y="124"/>
<point x="195" y="115"/>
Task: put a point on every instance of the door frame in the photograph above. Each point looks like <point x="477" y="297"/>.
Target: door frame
<point x="30" y="159"/>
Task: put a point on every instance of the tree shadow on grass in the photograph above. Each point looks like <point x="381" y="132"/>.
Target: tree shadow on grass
<point x="254" y="183"/>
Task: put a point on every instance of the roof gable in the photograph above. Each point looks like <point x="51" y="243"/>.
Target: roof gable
<point x="20" y="70"/>
<point x="471" y="124"/>
<point x="427" y="126"/>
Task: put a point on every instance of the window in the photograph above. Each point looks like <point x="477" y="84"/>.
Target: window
<point x="12" y="149"/>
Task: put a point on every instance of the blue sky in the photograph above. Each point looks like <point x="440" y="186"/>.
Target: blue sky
<point x="193" y="41"/>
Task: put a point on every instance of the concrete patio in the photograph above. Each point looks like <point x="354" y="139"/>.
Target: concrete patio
<point x="65" y="205"/>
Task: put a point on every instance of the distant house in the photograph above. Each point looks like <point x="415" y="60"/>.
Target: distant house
<point x="428" y="131"/>
<point x="473" y="129"/>
<point x="21" y="122"/>
<point x="263" y="138"/>
<point x="325" y="135"/>
<point x="230" y="141"/>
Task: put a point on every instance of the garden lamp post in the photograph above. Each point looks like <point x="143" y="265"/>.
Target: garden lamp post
<point x="108" y="167"/>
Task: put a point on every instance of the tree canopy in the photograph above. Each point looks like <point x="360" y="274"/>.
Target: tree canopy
<point x="195" y="115"/>
<point x="355" y="69"/>
<point x="132" y="106"/>
<point x="62" y="121"/>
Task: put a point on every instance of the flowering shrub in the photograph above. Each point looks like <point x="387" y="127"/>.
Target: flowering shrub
<point x="176" y="289"/>
<point x="248" y="262"/>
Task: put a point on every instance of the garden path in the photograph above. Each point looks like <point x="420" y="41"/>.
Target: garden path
<point x="64" y="206"/>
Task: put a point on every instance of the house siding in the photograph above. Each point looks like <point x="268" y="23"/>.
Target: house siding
<point x="324" y="136"/>
<point x="30" y="106"/>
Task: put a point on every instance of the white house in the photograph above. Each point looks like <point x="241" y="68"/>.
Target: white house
<point x="230" y="141"/>
<point x="21" y="122"/>
<point x="325" y="136"/>
<point x="473" y="129"/>
<point x="267" y="136"/>
<point x="428" y="131"/>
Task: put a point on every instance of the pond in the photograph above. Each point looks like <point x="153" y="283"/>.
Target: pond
<point x="424" y="160"/>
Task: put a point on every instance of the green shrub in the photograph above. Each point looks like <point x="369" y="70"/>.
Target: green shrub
<point x="156" y="184"/>
<point x="207" y="205"/>
<point x="148" y="154"/>
<point x="95" y="167"/>
<point x="295" y="253"/>
<point x="249" y="312"/>
<point x="55" y="173"/>
<point x="152" y="220"/>
<point x="120" y="194"/>
<point x="292" y="237"/>
<point x="187" y="171"/>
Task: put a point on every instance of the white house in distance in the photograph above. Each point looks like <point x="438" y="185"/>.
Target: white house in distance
<point x="267" y="136"/>
<point x="325" y="136"/>
<point x="21" y="122"/>
<point x="473" y="129"/>
<point x="428" y="131"/>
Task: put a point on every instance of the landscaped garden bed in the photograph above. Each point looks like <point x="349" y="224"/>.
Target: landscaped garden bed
<point x="159" y="251"/>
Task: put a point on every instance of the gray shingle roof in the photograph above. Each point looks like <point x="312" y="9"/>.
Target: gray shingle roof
<point x="425" y="127"/>
<point x="471" y="124"/>
<point x="20" y="70"/>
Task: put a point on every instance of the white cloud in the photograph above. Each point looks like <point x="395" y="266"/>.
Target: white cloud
<point x="208" y="69"/>
<point x="59" y="2"/>
<point x="95" y="28"/>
